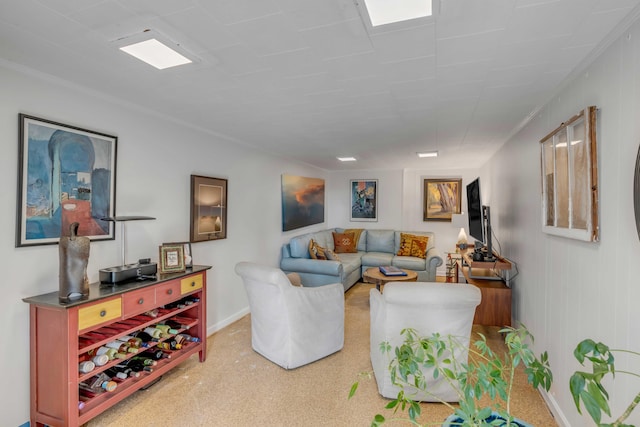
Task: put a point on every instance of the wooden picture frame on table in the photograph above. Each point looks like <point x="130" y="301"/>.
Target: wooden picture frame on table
<point x="186" y="247"/>
<point x="66" y="174"/>
<point x="171" y="258"/>
<point x="208" y="209"/>
<point x="442" y="198"/>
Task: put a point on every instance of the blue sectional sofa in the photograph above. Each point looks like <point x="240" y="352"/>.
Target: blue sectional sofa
<point x="375" y="248"/>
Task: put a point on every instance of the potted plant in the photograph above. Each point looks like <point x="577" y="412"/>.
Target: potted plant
<point x="486" y="373"/>
<point x="587" y="387"/>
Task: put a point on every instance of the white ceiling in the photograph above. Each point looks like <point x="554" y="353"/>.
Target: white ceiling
<point x="311" y="80"/>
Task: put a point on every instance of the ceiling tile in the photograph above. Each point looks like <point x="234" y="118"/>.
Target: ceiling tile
<point x="336" y="40"/>
<point x="416" y="42"/>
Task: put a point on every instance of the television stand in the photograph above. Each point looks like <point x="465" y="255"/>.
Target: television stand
<point x="498" y="263"/>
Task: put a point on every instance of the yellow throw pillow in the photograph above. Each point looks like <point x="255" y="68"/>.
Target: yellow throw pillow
<point x="344" y="243"/>
<point x="412" y="245"/>
<point x="316" y="251"/>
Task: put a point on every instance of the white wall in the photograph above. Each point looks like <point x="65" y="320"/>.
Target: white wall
<point x="568" y="290"/>
<point x="155" y="160"/>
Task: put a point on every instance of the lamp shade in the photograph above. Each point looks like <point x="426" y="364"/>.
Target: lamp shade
<point x="459" y="221"/>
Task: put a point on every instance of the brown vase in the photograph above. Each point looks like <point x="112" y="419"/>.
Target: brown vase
<point x="74" y="257"/>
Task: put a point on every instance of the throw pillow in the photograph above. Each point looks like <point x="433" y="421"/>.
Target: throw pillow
<point x="407" y="247"/>
<point x="344" y="243"/>
<point x="356" y="233"/>
<point x="332" y="256"/>
<point x="294" y="278"/>
<point x="316" y="251"/>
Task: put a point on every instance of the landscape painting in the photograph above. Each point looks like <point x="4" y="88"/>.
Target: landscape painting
<point x="67" y="175"/>
<point x="302" y="201"/>
<point x="441" y="198"/>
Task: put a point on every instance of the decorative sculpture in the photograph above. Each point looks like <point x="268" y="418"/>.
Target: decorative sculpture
<point x="74" y="256"/>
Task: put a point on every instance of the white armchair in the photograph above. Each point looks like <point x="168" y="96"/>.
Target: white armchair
<point x="427" y="307"/>
<point x="292" y="325"/>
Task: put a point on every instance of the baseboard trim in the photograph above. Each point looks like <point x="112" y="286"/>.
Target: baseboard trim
<point x="553" y="406"/>
<point x="226" y="322"/>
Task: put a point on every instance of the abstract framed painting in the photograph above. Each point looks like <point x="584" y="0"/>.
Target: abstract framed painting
<point x="208" y="208"/>
<point x="442" y="198"/>
<point x="302" y="201"/>
<point x="364" y="200"/>
<point x="66" y="174"/>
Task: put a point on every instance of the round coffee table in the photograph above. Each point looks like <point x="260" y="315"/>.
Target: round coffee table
<point x="374" y="275"/>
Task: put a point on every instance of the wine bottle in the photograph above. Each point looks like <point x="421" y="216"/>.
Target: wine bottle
<point x="99" y="382"/>
<point x="154" y="332"/>
<point x="121" y="347"/>
<point x="173" y="324"/>
<point x="132" y="341"/>
<point x="86" y="366"/>
<point x="144" y="337"/>
<point x="166" y="329"/>
<point x="169" y="345"/>
<point x="188" y="337"/>
<point x="97" y="359"/>
<point x="121" y="373"/>
<point x="111" y="353"/>
<point x="140" y="365"/>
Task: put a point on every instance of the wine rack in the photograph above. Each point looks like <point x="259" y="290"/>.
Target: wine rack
<point x="61" y="333"/>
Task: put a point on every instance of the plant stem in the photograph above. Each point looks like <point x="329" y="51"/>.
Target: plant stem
<point x="626" y="413"/>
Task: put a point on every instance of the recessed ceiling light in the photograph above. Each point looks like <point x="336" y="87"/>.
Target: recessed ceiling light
<point x="383" y="12"/>
<point x="155" y="53"/>
<point x="428" y="154"/>
<point x="347" y="159"/>
<point x="154" y="49"/>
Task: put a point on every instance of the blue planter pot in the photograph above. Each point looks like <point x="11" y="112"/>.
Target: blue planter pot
<point x="453" y="420"/>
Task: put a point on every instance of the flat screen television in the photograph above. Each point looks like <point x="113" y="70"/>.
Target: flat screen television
<point x="479" y="219"/>
<point x="474" y="210"/>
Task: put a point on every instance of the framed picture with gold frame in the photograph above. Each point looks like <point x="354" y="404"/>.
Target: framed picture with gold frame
<point x="442" y="198"/>
<point x="172" y="258"/>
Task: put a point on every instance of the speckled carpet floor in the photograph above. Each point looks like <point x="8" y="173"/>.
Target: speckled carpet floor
<point x="238" y="387"/>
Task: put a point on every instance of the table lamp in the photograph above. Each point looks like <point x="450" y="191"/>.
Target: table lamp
<point x="460" y="221"/>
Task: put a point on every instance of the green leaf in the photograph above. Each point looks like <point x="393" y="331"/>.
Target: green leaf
<point x="354" y="387"/>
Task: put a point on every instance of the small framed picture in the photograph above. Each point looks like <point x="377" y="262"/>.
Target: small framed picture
<point x="172" y="258"/>
<point x="208" y="209"/>
<point x="186" y="249"/>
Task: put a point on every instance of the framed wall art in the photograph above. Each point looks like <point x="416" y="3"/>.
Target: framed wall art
<point x="442" y="198"/>
<point x="569" y="163"/>
<point x="171" y="258"/>
<point x="364" y="200"/>
<point x="302" y="201"/>
<point x="208" y="209"/>
<point x="66" y="174"/>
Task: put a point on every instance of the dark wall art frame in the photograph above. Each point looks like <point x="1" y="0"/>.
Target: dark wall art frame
<point x="66" y="174"/>
<point x="442" y="198"/>
<point x="208" y="209"/>
<point x="364" y="200"/>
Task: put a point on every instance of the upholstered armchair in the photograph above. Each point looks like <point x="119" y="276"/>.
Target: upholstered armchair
<point x="292" y="325"/>
<point x="427" y="307"/>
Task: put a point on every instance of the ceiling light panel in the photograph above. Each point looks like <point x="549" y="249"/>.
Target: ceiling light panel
<point x="383" y="12"/>
<point x="155" y="49"/>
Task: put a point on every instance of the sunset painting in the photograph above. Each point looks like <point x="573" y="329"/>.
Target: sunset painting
<point x="302" y="201"/>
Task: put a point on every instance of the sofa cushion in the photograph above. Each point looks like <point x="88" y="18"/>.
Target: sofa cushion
<point x="413" y="245"/>
<point x="376" y="259"/>
<point x="350" y="262"/>
<point x="381" y="241"/>
<point x="409" y="263"/>
<point x="344" y="243"/>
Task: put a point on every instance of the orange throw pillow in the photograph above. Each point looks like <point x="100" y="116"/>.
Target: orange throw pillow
<point x="412" y="245"/>
<point x="345" y="243"/>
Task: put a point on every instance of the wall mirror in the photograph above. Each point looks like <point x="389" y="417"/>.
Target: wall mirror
<point x="569" y="163"/>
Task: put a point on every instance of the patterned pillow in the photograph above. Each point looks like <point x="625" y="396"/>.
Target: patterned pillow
<point x="412" y="245"/>
<point x="316" y="251"/>
<point x="294" y="278"/>
<point x="345" y="243"/>
<point x="332" y="256"/>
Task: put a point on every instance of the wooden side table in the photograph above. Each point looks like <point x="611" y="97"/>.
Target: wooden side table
<point x="374" y="275"/>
